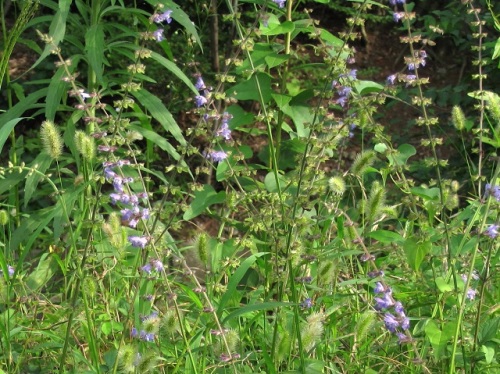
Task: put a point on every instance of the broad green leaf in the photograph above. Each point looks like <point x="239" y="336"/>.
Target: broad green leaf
<point x="496" y="50"/>
<point x="271" y="184"/>
<point x="158" y="140"/>
<point x="275" y="59"/>
<point x="380" y="148"/>
<point x="442" y="285"/>
<point x="283" y="28"/>
<point x="405" y="151"/>
<point x="415" y="252"/>
<point x="385" y="236"/>
<point x="366" y="87"/>
<point x="111" y="326"/>
<point x="437" y="338"/>
<point x="489" y="330"/>
<point x="202" y="200"/>
<point x="270" y="305"/>
<point x="159" y="112"/>
<point x="41" y="162"/>
<point x="489" y="352"/>
<point x="6" y="129"/>
<point x="252" y="89"/>
<point x="94" y="49"/>
<point x="235" y="279"/>
<point x="45" y="270"/>
<point x="172" y="67"/>
<point x="426" y="193"/>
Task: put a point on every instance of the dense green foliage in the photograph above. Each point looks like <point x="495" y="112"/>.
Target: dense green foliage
<point x="224" y="187"/>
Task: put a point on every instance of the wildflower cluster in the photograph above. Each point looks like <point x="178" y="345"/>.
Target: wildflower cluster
<point x="385" y="303"/>
<point x="471" y="292"/>
<point x="160" y="18"/>
<point x="149" y="328"/>
<point x="343" y="86"/>
<point x="131" y="214"/>
<point x="222" y="121"/>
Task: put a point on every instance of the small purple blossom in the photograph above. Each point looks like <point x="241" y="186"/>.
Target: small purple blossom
<point x="163" y="17"/>
<point x="10" y="271"/>
<point x="280" y="3"/>
<point x="306" y="304"/>
<point x="397" y="16"/>
<point x="384" y="302"/>
<point x="490" y="190"/>
<point x="200" y="100"/>
<point x="398" y="308"/>
<point x="391" y="322"/>
<point x="216" y="156"/>
<point x="379" y="288"/>
<point x="138" y="241"/>
<point x="224" y="131"/>
<point x="147" y="268"/>
<point x="158" y="35"/>
<point x="158" y="265"/>
<point x="492" y="231"/>
<point x="391" y="79"/>
<point x="471" y="293"/>
<point x="200" y="84"/>
<point x="403" y="338"/>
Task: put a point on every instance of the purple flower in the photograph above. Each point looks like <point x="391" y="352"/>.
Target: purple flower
<point x="200" y="100"/>
<point x="398" y="307"/>
<point x="158" y="265"/>
<point x="379" y="288"/>
<point x="492" y="191"/>
<point x="147" y="268"/>
<point x="492" y="231"/>
<point x="216" y="156"/>
<point x="398" y="16"/>
<point x="200" y="84"/>
<point x="306" y="304"/>
<point x="165" y="16"/>
<point x="138" y="241"/>
<point x="143" y="335"/>
<point x="281" y="3"/>
<point x="402" y="338"/>
<point x="391" y="79"/>
<point x="224" y="131"/>
<point x="391" y="322"/>
<point x="344" y="91"/>
<point x="158" y="35"/>
<point x="405" y="322"/>
<point x="10" y="271"/>
<point x="109" y="173"/>
<point x="133" y="332"/>
<point x="384" y="302"/>
<point x="471" y="293"/>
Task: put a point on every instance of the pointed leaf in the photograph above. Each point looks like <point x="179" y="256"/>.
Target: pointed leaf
<point x="202" y="200"/>
<point x="94" y="49"/>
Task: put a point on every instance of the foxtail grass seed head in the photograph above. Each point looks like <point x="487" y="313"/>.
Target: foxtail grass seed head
<point x="201" y="247"/>
<point x="170" y="322"/>
<point x="311" y="332"/>
<point x="85" y="144"/>
<point x="147" y="362"/>
<point x="337" y="185"/>
<point x="364" y="324"/>
<point x="114" y="231"/>
<point x="127" y="358"/>
<point x="89" y="287"/>
<point x="3" y="291"/>
<point x="376" y="201"/>
<point x="458" y="118"/>
<point x="493" y="107"/>
<point x="362" y="162"/>
<point x="51" y="139"/>
<point x="283" y="348"/>
<point x="4" y="217"/>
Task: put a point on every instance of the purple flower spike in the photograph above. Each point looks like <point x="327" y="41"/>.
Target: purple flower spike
<point x="391" y="323"/>
<point x="216" y="156"/>
<point x="200" y="84"/>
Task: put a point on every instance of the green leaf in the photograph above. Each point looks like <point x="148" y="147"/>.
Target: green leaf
<point x="42" y="162"/>
<point x="252" y="88"/>
<point x="271" y="184"/>
<point x="366" y="87"/>
<point x="158" y="140"/>
<point x="57" y="89"/>
<point x="159" y="112"/>
<point x="426" y="193"/>
<point x="235" y="280"/>
<point x="284" y="28"/>
<point x="416" y="251"/>
<point x="496" y="50"/>
<point x="385" y="236"/>
<point x="489" y="330"/>
<point x="94" y="49"/>
<point x="169" y="65"/>
<point x="111" y="326"/>
<point x="275" y="59"/>
<point x="271" y="305"/>
<point x="45" y="270"/>
<point x="6" y="129"/>
<point x="202" y="200"/>
<point x="443" y="285"/>
<point x="380" y="148"/>
<point x="405" y="151"/>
